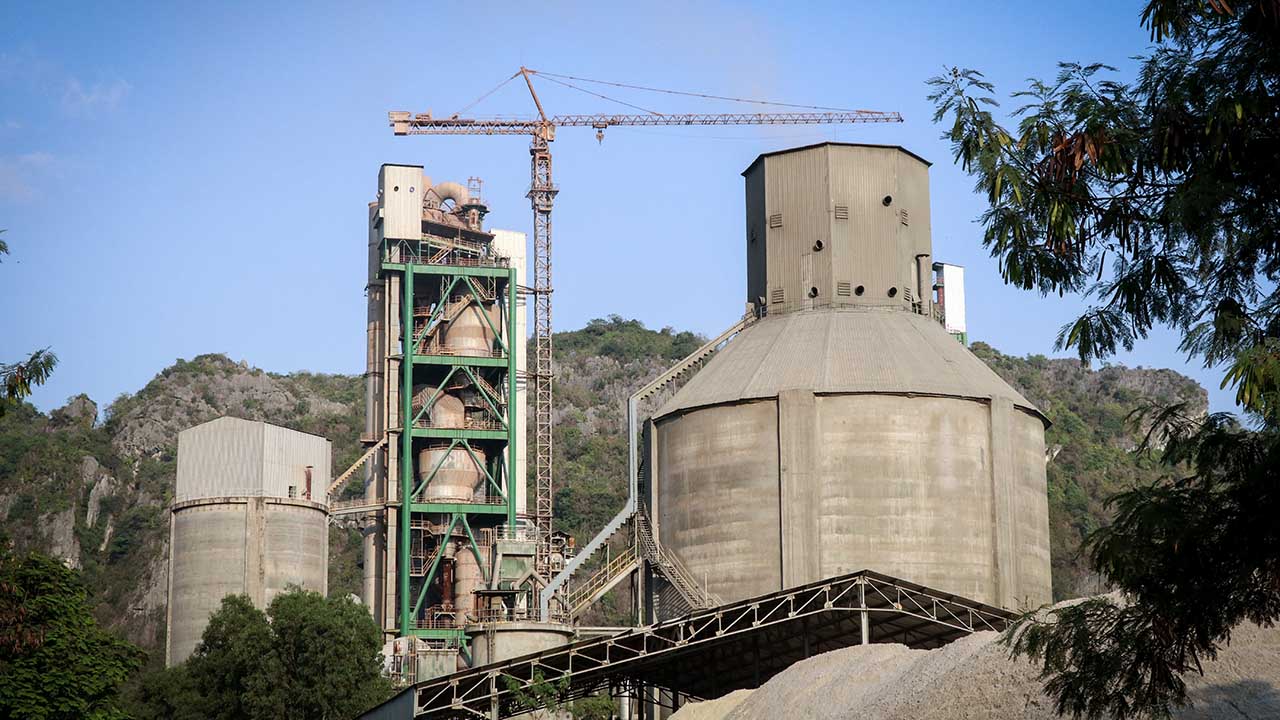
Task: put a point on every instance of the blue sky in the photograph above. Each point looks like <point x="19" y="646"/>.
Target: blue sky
<point x="187" y="178"/>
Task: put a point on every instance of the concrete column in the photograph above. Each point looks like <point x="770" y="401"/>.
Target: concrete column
<point x="797" y="486"/>
<point x="255" y="522"/>
<point x="1003" y="505"/>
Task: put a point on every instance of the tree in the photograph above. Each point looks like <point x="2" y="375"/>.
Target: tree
<point x="55" y="661"/>
<point x="17" y="379"/>
<point x="230" y="656"/>
<point x="1160" y="201"/>
<point x="307" y="656"/>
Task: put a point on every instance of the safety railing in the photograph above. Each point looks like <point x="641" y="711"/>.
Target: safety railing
<point x="501" y="615"/>
<point x="470" y="422"/>
<point x="581" y="596"/>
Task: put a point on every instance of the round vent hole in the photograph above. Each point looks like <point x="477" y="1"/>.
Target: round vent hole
<point x="888" y="200"/>
<point x="893" y="292"/>
<point x="818" y="245"/>
<point x="859" y="290"/>
<point x="813" y="292"/>
<point x="395" y="189"/>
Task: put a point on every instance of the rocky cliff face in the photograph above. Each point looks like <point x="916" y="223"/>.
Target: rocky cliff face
<point x="95" y="493"/>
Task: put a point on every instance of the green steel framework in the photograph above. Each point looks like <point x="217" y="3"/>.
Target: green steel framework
<point x="464" y="514"/>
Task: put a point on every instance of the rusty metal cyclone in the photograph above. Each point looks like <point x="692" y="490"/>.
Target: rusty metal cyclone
<point x="405" y="123"/>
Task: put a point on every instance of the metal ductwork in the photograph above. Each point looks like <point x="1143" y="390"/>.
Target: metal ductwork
<point x="451" y="191"/>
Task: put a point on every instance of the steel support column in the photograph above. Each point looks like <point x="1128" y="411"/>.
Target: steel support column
<point x="406" y="450"/>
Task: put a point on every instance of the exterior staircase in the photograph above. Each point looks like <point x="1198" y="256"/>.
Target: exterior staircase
<point x="452" y="310"/>
<point x="604" y="580"/>
<point x="670" y="567"/>
<point x="338" y="481"/>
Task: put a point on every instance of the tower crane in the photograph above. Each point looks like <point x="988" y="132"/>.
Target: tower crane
<point x="542" y="193"/>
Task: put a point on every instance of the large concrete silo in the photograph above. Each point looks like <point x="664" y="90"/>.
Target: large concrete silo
<point x="248" y="518"/>
<point x="846" y="429"/>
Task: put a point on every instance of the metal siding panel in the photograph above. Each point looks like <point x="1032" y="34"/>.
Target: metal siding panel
<point x="865" y="249"/>
<point x="231" y="457"/>
<point x="286" y="454"/>
<point x="795" y="186"/>
<point x="757" y="227"/>
<point x="220" y="458"/>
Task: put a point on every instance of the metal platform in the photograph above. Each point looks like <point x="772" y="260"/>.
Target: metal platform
<point x="712" y="652"/>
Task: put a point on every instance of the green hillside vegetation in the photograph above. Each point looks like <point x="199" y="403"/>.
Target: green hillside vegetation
<point x="95" y="493"/>
<point x="1090" y="444"/>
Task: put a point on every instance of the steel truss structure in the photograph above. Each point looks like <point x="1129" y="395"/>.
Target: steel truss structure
<point x="436" y="275"/>
<point x="712" y="652"/>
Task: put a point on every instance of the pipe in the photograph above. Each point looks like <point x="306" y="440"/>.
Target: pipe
<point x="452" y="191"/>
<point x="924" y="283"/>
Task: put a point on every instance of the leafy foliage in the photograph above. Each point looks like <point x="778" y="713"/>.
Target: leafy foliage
<point x="625" y="340"/>
<point x="1160" y="200"/>
<point x="18" y="378"/>
<point x="1090" y="444"/>
<point x="305" y="657"/>
<point x="55" y="661"/>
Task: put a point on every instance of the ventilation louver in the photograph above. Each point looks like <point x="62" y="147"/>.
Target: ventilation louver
<point x="842" y="212"/>
<point x="775" y="220"/>
<point x="844" y="288"/>
<point x="906" y="220"/>
<point x="776" y="296"/>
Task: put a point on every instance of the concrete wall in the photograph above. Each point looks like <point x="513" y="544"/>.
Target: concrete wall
<point x="769" y="494"/>
<point x="494" y="642"/>
<point x="234" y="529"/>
<point x="512" y="244"/>
<point x="254" y="546"/>
<point x="718" y="496"/>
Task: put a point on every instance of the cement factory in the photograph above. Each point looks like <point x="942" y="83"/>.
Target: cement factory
<point x="835" y="468"/>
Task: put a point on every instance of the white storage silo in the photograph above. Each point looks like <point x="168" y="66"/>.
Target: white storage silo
<point x="248" y="517"/>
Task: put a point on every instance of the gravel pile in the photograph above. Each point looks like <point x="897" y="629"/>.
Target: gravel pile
<point x="975" y="678"/>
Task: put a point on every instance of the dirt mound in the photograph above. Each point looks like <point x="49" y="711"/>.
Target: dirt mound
<point x="975" y="678"/>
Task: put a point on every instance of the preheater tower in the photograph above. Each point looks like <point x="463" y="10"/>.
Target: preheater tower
<point x="446" y="549"/>
<point x="846" y="429"/>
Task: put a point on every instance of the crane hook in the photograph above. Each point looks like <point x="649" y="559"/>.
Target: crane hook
<point x="600" y="136"/>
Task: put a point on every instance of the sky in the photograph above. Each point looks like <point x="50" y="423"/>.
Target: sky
<point x="179" y="179"/>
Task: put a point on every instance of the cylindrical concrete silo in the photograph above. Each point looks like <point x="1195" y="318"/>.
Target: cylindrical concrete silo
<point x="846" y="429"/>
<point x="247" y="518"/>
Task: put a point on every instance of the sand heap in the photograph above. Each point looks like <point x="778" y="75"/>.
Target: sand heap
<point x="975" y="678"/>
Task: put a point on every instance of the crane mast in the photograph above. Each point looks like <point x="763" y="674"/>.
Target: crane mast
<point x="542" y="193"/>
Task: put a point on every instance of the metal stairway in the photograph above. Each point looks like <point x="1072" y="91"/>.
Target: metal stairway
<point x="619" y="566"/>
<point x="488" y="389"/>
<point x="628" y="511"/>
<point x="452" y="310"/>
<point x="338" y="481"/>
<point x="674" y="571"/>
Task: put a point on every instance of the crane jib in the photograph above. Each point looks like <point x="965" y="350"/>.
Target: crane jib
<point x="404" y="123"/>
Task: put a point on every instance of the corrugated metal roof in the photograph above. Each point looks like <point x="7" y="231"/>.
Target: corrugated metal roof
<point x="762" y="156"/>
<point x="842" y="350"/>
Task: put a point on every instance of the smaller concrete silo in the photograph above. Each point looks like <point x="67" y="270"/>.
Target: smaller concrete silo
<point x="243" y="521"/>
